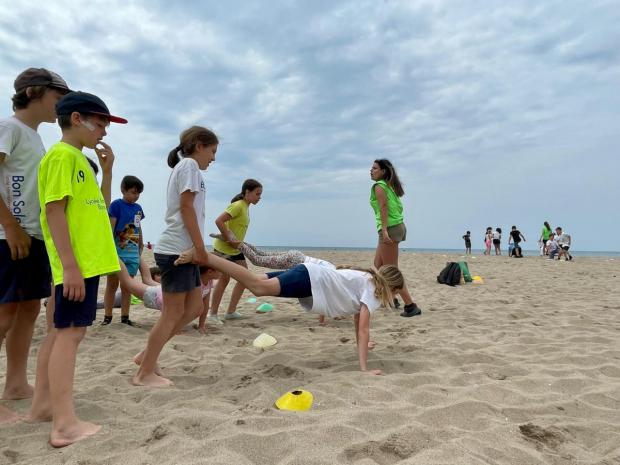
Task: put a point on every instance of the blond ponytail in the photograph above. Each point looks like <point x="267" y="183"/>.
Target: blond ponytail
<point x="387" y="278"/>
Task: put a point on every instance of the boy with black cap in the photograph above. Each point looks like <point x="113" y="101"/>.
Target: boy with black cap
<point x="24" y="267"/>
<point x="80" y="246"/>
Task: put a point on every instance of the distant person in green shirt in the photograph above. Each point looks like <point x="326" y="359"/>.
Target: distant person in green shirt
<point x="233" y="224"/>
<point x="80" y="246"/>
<point x="544" y="237"/>
<point x="385" y="201"/>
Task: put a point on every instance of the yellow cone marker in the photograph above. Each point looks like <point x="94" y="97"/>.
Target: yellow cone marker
<point x="296" y="401"/>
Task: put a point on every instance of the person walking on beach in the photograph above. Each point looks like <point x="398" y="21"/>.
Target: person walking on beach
<point x="185" y="217"/>
<point x="488" y="240"/>
<point x="233" y="224"/>
<point x="467" y="238"/>
<point x="385" y="201"/>
<point x="544" y="236"/>
<point x="497" y="240"/>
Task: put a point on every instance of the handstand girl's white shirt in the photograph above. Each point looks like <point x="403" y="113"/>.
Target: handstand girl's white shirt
<point x="186" y="176"/>
<point x="339" y="292"/>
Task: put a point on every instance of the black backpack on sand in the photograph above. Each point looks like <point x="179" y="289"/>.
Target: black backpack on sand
<point x="450" y="275"/>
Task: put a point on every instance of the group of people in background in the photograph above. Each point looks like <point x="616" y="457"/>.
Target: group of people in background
<point x="60" y="232"/>
<point x="552" y="244"/>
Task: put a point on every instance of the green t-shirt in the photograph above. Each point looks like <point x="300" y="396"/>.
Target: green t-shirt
<point x="65" y="172"/>
<point x="394" y="205"/>
<point x="546" y="232"/>
<point x="238" y="225"/>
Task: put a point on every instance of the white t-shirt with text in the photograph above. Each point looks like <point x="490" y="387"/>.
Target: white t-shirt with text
<point x="186" y="176"/>
<point x="23" y="149"/>
<point x="339" y="292"/>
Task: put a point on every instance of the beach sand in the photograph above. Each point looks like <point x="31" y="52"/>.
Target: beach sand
<point x="522" y="369"/>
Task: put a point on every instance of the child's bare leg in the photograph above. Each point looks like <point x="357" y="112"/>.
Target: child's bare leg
<point x="218" y="292"/>
<point x="41" y="408"/>
<point x="171" y="315"/>
<point x="257" y="284"/>
<point x="125" y="302"/>
<point x="66" y="427"/>
<point x="145" y="274"/>
<point x="110" y="294"/>
<point x="235" y="297"/>
<point x="18" y="342"/>
<point x="132" y="285"/>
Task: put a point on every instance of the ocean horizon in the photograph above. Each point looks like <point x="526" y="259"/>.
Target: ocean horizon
<point x="528" y="253"/>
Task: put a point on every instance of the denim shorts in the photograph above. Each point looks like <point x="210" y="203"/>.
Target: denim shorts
<point x="70" y="313"/>
<point x="181" y="278"/>
<point x="294" y="282"/>
<point x="27" y="279"/>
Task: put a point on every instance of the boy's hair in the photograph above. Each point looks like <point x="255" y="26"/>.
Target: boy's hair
<point x="387" y="278"/>
<point x="514" y="227"/>
<point x="129" y="182"/>
<point x="248" y="185"/>
<point x="155" y="271"/>
<point x="188" y="141"/>
<point x="38" y="80"/>
<point x="390" y="176"/>
<point x="467" y="232"/>
<point x="21" y="99"/>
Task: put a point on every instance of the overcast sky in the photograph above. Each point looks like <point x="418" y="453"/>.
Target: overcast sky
<point x="494" y="113"/>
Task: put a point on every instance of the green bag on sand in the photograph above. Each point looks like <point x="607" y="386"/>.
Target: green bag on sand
<point x="465" y="272"/>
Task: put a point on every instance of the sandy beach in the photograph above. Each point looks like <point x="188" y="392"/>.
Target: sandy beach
<point x="522" y="369"/>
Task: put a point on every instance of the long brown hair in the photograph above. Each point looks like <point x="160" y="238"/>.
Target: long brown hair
<point x="390" y="176"/>
<point x="385" y="279"/>
<point x="248" y="185"/>
<point x="189" y="139"/>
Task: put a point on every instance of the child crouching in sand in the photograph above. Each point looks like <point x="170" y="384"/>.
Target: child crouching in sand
<point x="326" y="291"/>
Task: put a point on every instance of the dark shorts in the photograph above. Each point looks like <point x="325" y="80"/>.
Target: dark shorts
<point x="294" y="282"/>
<point x="69" y="313"/>
<point x="182" y="278"/>
<point x="26" y="279"/>
<point x="496" y="242"/>
<point x="565" y="247"/>
<point x="468" y="245"/>
<point x="397" y="233"/>
<point x="231" y="258"/>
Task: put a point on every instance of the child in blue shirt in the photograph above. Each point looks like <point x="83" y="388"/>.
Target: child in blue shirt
<point x="125" y="217"/>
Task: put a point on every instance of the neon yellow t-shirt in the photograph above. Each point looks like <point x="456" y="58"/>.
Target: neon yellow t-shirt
<point x="65" y="172"/>
<point x="394" y="206"/>
<point x="238" y="224"/>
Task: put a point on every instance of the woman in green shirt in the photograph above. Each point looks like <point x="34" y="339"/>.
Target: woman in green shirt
<point x="544" y="236"/>
<point x="385" y="201"/>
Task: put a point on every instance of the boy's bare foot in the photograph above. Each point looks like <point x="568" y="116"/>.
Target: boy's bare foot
<point x="81" y="430"/>
<point x="151" y="380"/>
<point x="8" y="416"/>
<point x="18" y="392"/>
<point x="138" y="361"/>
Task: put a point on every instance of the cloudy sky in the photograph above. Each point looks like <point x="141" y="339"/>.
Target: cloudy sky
<point x="494" y="113"/>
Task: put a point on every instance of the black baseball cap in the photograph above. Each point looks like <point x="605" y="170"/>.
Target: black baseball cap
<point x="39" y="77"/>
<point x="87" y="104"/>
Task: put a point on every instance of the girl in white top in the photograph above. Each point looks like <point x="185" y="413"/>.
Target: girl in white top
<point x="326" y="291"/>
<point x="185" y="215"/>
